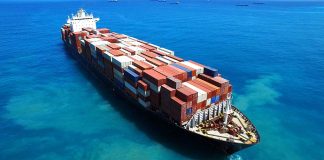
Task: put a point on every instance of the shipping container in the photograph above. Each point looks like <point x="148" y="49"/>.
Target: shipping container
<point x="170" y="59"/>
<point x="199" y="69"/>
<point x="166" y="94"/>
<point x="173" y="82"/>
<point x="210" y="71"/>
<point x="122" y="61"/>
<point x="188" y="71"/>
<point x="217" y="81"/>
<point x="178" y="110"/>
<point x="159" y="52"/>
<point x="164" y="60"/>
<point x="114" y="46"/>
<point x="103" y="30"/>
<point x="202" y="95"/>
<point x="131" y="75"/>
<point x="142" y="65"/>
<point x="131" y="88"/>
<point x="175" y="57"/>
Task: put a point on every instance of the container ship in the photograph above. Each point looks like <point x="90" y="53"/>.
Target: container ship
<point x="189" y="96"/>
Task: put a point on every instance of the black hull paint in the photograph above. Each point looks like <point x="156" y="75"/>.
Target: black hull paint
<point x="195" y="139"/>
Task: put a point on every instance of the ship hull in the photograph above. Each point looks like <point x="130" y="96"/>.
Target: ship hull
<point x="196" y="141"/>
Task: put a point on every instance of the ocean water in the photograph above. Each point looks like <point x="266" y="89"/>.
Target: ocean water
<point x="273" y="54"/>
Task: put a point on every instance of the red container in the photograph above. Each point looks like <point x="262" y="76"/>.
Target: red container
<point x="186" y="94"/>
<point x="178" y="110"/>
<point x="173" y="82"/>
<point x="129" y="50"/>
<point x="154" y="77"/>
<point x="216" y="90"/>
<point x="201" y="105"/>
<point x="114" y="46"/>
<point x="158" y="52"/>
<point x="92" y="36"/>
<point x="90" y="30"/>
<point x="150" y="54"/>
<point x="223" y="97"/>
<point x="180" y="74"/>
<point x="198" y="85"/>
<point x="230" y="88"/>
<point x="164" y="72"/>
<point x="217" y="81"/>
<point x="141" y="84"/>
<point x="166" y="94"/>
<point x="103" y="30"/>
<point x="175" y="57"/>
<point x="116" y="52"/>
<point x="148" y="47"/>
<point x="141" y="65"/>
<point x="120" y="36"/>
<point x="110" y="39"/>
<point x="155" y="62"/>
<point x="155" y="99"/>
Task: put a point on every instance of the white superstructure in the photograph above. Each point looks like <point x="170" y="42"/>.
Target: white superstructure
<point x="82" y="20"/>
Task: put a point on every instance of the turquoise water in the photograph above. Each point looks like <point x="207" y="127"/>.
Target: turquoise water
<point x="51" y="109"/>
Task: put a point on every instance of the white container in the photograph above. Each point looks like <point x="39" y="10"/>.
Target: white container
<point x="126" y="52"/>
<point x="137" y="49"/>
<point x="122" y="61"/>
<point x="154" y="45"/>
<point x="137" y="57"/>
<point x="208" y="101"/>
<point x="202" y="95"/>
<point x="97" y="43"/>
<point x="120" y="45"/>
<point x="166" y="51"/>
<point x="136" y="43"/>
<point x="132" y="66"/>
<point x="198" y="69"/>
<point x="131" y="88"/>
<point x="170" y="59"/>
<point x="164" y="60"/>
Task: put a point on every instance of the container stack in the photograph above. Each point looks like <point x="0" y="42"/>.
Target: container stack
<point x="151" y="75"/>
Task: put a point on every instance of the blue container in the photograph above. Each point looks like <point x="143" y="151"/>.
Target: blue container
<point x="189" y="111"/>
<point x="215" y="99"/>
<point x="210" y="71"/>
<point x="189" y="72"/>
<point x="129" y="74"/>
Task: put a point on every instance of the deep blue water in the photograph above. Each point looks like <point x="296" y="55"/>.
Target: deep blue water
<point x="273" y="55"/>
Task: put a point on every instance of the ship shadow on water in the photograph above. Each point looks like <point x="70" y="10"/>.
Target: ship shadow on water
<point x="155" y="128"/>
